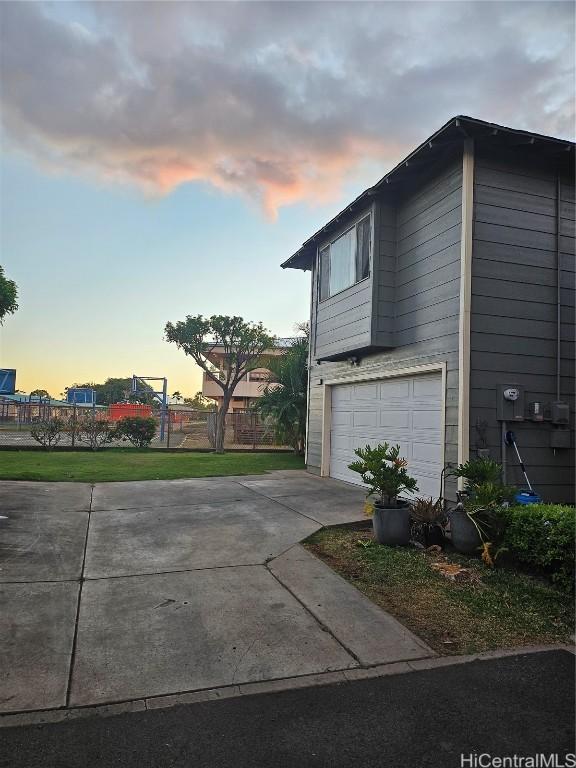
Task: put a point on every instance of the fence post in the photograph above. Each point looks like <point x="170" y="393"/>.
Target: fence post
<point x="169" y="431"/>
<point x="74" y="424"/>
<point x="253" y="415"/>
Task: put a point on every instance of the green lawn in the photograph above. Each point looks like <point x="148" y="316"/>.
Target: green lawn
<point x="500" y="608"/>
<point x="131" y="464"/>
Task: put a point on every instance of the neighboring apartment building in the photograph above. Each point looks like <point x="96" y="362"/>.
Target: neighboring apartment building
<point x="443" y="311"/>
<point x="250" y="388"/>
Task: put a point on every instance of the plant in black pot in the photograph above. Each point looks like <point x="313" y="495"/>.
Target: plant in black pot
<point x="475" y="520"/>
<point x="383" y="470"/>
<point x="428" y="519"/>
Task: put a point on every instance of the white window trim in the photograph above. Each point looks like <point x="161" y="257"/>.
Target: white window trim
<point x="369" y="213"/>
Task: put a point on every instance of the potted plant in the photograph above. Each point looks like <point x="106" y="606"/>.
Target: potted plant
<point x="383" y="470"/>
<point x="474" y="519"/>
<point x="428" y="521"/>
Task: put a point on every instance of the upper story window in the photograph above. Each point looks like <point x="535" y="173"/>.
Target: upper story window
<point x="346" y="260"/>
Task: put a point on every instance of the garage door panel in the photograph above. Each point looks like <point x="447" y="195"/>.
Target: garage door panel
<point x="402" y="411"/>
<point x="340" y="470"/>
<point x="341" y="418"/>
<point x="341" y="394"/>
<point x="428" y="486"/>
<point x="374" y="436"/>
<point x="340" y="443"/>
<point x="427" y="453"/>
<point x="427" y="386"/>
<point x="388" y="418"/>
<point x="394" y="389"/>
<point x="426" y="419"/>
<point x="365" y="418"/>
<point x="366" y="391"/>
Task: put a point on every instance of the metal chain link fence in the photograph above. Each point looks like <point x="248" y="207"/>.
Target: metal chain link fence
<point x="24" y="424"/>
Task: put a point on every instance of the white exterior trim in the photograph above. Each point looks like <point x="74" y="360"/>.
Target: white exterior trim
<point x="369" y="375"/>
<point x="465" y="302"/>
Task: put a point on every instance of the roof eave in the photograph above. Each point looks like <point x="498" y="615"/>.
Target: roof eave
<point x="303" y="257"/>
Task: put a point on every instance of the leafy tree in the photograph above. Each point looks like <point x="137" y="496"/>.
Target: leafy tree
<point x="177" y="396"/>
<point x="139" y="430"/>
<point x="8" y="296"/>
<point x="40" y="393"/>
<point x="243" y="344"/>
<point x="199" y="402"/>
<point x="284" y="399"/>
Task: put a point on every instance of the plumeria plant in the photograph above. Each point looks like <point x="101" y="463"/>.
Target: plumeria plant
<point x="384" y="472"/>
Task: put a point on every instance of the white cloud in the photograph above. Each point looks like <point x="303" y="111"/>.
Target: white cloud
<point x="280" y="101"/>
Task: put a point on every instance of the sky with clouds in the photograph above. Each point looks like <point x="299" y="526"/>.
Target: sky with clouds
<point x="162" y="158"/>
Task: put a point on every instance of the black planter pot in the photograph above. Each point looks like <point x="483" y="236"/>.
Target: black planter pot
<point x="392" y="524"/>
<point x="464" y="534"/>
<point x="427" y="534"/>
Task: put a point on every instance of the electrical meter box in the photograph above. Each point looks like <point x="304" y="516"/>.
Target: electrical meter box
<point x="510" y="403"/>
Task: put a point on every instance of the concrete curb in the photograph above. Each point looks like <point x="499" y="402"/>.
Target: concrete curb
<point x="267" y="686"/>
<point x="369" y="634"/>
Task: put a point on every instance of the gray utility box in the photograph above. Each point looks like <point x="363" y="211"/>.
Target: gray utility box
<point x="560" y="438"/>
<point x="510" y="406"/>
<point x="560" y="412"/>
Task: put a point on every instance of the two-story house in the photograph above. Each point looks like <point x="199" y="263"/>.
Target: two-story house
<point x="442" y="311"/>
<point x="250" y="388"/>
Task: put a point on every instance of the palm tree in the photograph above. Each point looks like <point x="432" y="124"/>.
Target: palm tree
<point x="284" y="398"/>
<point x="177" y="396"/>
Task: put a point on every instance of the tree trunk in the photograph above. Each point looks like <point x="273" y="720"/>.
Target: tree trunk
<point x="221" y="425"/>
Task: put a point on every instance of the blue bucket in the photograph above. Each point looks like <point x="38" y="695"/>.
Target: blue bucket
<point x="527" y="497"/>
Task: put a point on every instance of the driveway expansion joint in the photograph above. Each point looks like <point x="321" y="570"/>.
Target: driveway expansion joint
<point x="167" y="573"/>
<point x="276" y="500"/>
<point x="77" y="617"/>
<point x="322" y="626"/>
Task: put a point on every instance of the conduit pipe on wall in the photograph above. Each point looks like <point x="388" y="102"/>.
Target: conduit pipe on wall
<point x="558" y="290"/>
<point x="503" y="450"/>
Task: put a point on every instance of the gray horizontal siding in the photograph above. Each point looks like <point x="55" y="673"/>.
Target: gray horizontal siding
<point x="344" y="320"/>
<point x="416" y="295"/>
<point x="520" y="201"/>
<point x="513" y="321"/>
<point x="431" y="194"/>
<point x="385" y="275"/>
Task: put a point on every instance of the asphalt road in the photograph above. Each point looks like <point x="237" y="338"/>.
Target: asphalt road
<point x="516" y="705"/>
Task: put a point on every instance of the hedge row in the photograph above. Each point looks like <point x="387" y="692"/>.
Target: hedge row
<point x="542" y="536"/>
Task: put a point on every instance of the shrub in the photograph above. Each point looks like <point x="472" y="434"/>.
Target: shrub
<point x="542" y="536"/>
<point x="479" y="472"/>
<point x="139" y="430"/>
<point x="48" y="432"/>
<point x="482" y="501"/>
<point x="428" y="520"/>
<point x="94" y="431"/>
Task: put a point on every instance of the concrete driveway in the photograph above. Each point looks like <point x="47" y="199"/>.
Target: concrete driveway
<point x="131" y="591"/>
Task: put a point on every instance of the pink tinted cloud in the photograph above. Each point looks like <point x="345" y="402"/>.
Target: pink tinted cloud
<point x="281" y="102"/>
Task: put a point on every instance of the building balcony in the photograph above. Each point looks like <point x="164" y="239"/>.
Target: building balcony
<point x="244" y="388"/>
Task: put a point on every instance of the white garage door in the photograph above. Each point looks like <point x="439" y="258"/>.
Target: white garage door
<point x="406" y="411"/>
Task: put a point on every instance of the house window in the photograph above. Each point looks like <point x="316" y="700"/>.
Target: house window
<point x="346" y="260"/>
